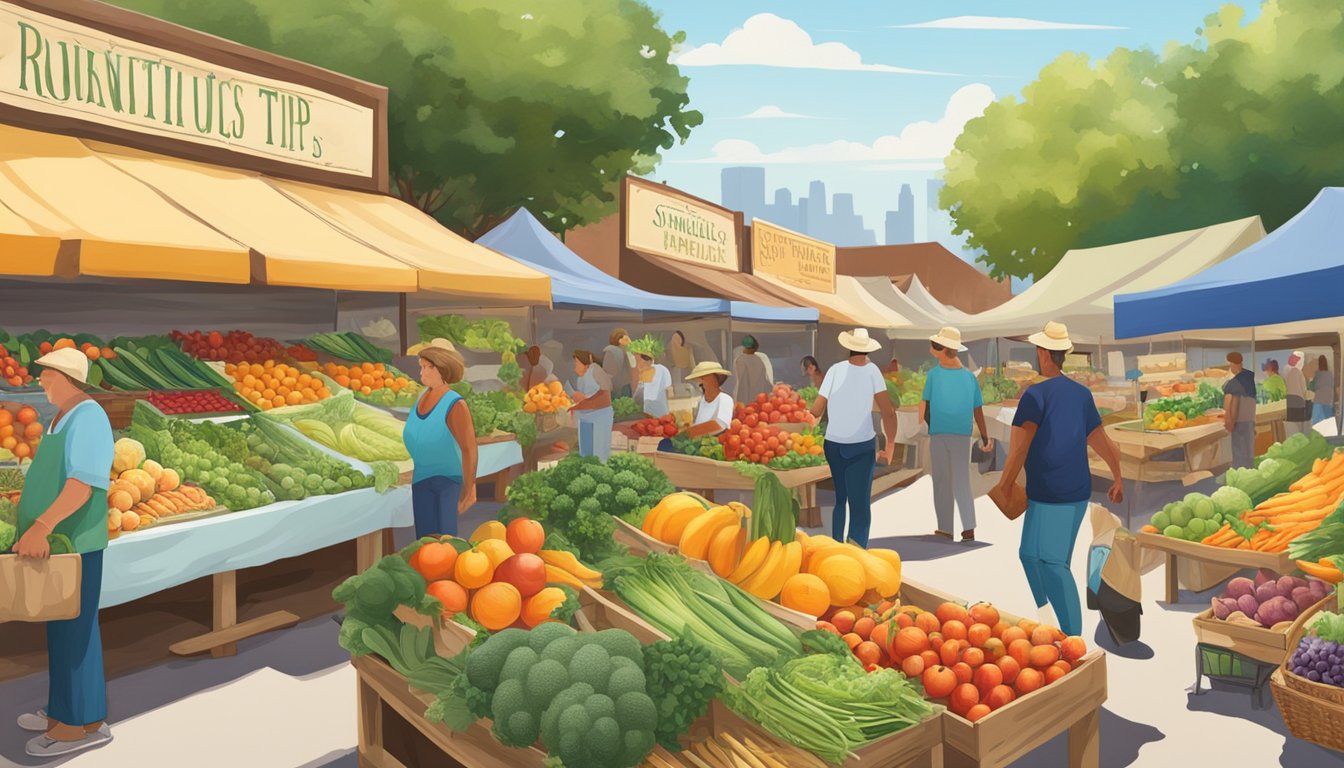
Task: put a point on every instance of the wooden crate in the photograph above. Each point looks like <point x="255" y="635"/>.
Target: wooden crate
<point x="1072" y="704"/>
<point x="699" y="473"/>
<point x="119" y="405"/>
<point x="1218" y="563"/>
<point x="639" y="542"/>
<point x="380" y="685"/>
<point x="1269" y="645"/>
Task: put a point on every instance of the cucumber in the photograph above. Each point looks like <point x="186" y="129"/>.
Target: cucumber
<point x="137" y="361"/>
<point x="115" y="375"/>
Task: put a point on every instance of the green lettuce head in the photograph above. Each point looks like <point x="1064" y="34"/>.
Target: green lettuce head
<point x="648" y="346"/>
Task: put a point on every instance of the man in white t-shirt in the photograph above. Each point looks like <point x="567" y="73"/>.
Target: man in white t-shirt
<point x="847" y="396"/>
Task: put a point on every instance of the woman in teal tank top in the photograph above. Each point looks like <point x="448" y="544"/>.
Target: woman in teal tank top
<point x="441" y="439"/>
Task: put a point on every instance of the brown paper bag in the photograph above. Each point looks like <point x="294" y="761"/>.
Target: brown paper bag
<point x="1012" y="504"/>
<point x="39" y="590"/>
<point x="1121" y="570"/>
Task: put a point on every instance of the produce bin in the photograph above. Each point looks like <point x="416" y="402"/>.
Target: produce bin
<point x="1312" y="711"/>
<point x="1269" y="645"/>
<point x="1232" y="668"/>
<point x="1216" y="561"/>
<point x="696" y="473"/>
<point x="118" y="405"/>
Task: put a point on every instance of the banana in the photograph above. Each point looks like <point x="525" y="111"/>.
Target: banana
<point x="750" y="582"/>
<point x="566" y="561"/>
<point x="557" y="575"/>
<point x="695" y="539"/>
<point x="769" y="573"/>
<point x="725" y="549"/>
<point x="676" y="523"/>
<point x="751" y="560"/>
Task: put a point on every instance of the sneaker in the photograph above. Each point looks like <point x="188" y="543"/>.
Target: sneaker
<point x="44" y="746"/>
<point x="968" y="535"/>
<point x="34" y="721"/>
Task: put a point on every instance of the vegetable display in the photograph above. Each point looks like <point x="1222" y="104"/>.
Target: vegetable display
<point x="624" y="408"/>
<point x="479" y="335"/>
<point x="579" y="495"/>
<point x="1179" y="411"/>
<point x="782" y="405"/>
<point x="1268" y="600"/>
<point x="827" y="704"/>
<point x="275" y="385"/>
<point x="1282" y="464"/>
<point x="350" y="347"/>
<point x="803" y="449"/>
<point x="231" y="347"/>
<point x="1197" y="516"/>
<point x="192" y="402"/>
<point x="664" y="427"/>
<point x="153" y="362"/>
<point x="677" y="599"/>
<point x="707" y="447"/>
<point x="143" y="492"/>
<point x="15" y="374"/>
<point x="208" y="455"/>
<point x="995" y="387"/>
<point x="297" y="469"/>
<point x="1274" y="523"/>
<point x="349" y="428"/>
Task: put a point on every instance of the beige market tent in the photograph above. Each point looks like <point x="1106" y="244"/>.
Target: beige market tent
<point x="1079" y="290"/>
<point x="850" y="305"/>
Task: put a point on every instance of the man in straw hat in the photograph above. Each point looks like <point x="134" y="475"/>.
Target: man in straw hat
<point x="847" y="396"/>
<point x="952" y="400"/>
<point x="1239" y="410"/>
<point x="65" y="492"/>
<point x="1055" y="424"/>
<point x="714" y="414"/>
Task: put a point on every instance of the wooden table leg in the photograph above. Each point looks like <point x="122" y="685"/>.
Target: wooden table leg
<point x="368" y="550"/>
<point x="370" y="725"/>
<point x="1085" y="741"/>
<point x="1173" y="580"/>
<point x="952" y="758"/>
<point x="225" y="606"/>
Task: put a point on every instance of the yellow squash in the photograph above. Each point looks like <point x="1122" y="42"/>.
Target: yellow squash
<point x="700" y="531"/>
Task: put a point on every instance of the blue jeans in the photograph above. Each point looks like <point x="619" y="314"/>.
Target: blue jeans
<point x="77" y="687"/>
<point x="434" y="502"/>
<point x="1048" y="533"/>
<point x="852" y="466"/>
<point x="1320" y="412"/>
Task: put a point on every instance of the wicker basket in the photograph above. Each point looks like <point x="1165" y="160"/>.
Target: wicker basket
<point x="1313" y="712"/>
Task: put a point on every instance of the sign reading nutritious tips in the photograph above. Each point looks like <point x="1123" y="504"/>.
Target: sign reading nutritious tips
<point x="666" y="224"/>
<point x="57" y="67"/>
<point x="794" y="259"/>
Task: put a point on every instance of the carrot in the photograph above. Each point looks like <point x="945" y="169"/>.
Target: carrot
<point x="1301" y="517"/>
<point x="1291" y="499"/>
<point x="1321" y="571"/>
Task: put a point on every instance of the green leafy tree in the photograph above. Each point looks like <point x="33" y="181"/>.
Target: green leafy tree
<point x="494" y="104"/>
<point x="1243" y="121"/>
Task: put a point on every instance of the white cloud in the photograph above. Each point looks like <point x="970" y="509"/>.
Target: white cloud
<point x="1009" y="23"/>
<point x="772" y="112"/>
<point x="920" y="143"/>
<point x="766" y="40"/>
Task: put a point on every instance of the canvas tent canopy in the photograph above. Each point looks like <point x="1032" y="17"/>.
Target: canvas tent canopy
<point x="1289" y="283"/>
<point x="850" y="305"/>
<point x="1079" y="290"/>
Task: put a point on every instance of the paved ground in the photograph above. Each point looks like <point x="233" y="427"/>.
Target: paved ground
<point x="287" y="699"/>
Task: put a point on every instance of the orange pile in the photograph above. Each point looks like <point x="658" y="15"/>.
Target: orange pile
<point x="366" y="378"/>
<point x="272" y="385"/>
<point x="15" y="375"/>
<point x="20" y="432"/>
<point x="90" y="351"/>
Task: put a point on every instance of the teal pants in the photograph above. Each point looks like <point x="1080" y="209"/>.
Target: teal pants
<point x="1048" y="534"/>
<point x="77" y="688"/>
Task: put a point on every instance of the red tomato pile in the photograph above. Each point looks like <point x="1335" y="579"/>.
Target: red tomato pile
<point x="188" y="401"/>
<point x="302" y="354"/>
<point x="781" y="406"/>
<point x="971" y="660"/>
<point x="664" y="427"/>
<point x="757" y="443"/>
<point x="15" y="375"/>
<point x="231" y="347"/>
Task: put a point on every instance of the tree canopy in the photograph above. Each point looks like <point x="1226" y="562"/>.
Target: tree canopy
<point x="1243" y="121"/>
<point x="494" y="104"/>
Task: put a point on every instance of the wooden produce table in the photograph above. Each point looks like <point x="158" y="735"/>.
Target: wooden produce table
<point x="1071" y="704"/>
<point x="696" y="473"/>
<point x="380" y="688"/>
<point x="1231" y="560"/>
<point x="1207" y="449"/>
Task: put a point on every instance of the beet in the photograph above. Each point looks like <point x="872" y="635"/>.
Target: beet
<point x="1238" y="587"/>
<point x="1304" y="598"/>
<point x="1276" y="610"/>
<point x="1248" y="605"/>
<point x="1266" y="591"/>
<point x="1318" y="588"/>
<point x="1223" y="607"/>
<point x="1286" y="585"/>
<point x="1263" y="575"/>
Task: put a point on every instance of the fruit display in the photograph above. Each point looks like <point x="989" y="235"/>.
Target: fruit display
<point x="232" y="347"/>
<point x="782" y="405"/>
<point x="145" y="492"/>
<point x="153" y="363"/>
<point x="375" y="383"/>
<point x="1281" y="464"/>
<point x="807" y="394"/>
<point x="349" y="428"/>
<point x="1268" y="600"/>
<point x="664" y="427"/>
<point x="625" y="408"/>
<point x="20" y="433"/>
<point x="1197" y="516"/>
<point x="970" y="659"/>
<point x="546" y="398"/>
<point x="275" y="385"/>
<point x="707" y="447"/>
<point x="755" y="444"/>
<point x="200" y="453"/>
<point x="192" y="402"/>
<point x="1319" y="656"/>
<point x="1274" y="523"/>
<point x="803" y="449"/>
<point x="843" y="705"/>
<point x="1182" y="410"/>
<point x="350" y="347"/>
<point x="578" y="497"/>
<point x="13" y="372"/>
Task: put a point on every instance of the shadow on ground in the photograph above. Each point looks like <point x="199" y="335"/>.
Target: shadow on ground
<point x="1236" y="702"/>
<point x="927" y="547"/>
<point x="1121" y="741"/>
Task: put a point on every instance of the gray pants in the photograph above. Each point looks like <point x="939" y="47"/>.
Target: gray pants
<point x="1243" y="444"/>
<point x="950" y="462"/>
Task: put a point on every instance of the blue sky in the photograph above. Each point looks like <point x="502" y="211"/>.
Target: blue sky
<point x="863" y="100"/>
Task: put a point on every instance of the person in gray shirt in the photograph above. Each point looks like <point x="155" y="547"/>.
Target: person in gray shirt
<point x="1323" y="385"/>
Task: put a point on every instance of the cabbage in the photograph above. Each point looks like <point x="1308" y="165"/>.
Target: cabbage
<point x="1231" y="501"/>
<point x="1181" y="514"/>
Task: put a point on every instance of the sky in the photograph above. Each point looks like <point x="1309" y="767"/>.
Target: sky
<point x="867" y="94"/>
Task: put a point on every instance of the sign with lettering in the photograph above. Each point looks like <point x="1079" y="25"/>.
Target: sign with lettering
<point x="794" y="259"/>
<point x="57" y="67"/>
<point x="664" y="223"/>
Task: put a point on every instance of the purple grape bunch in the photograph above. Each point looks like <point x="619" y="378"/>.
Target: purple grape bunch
<point x="1320" y="661"/>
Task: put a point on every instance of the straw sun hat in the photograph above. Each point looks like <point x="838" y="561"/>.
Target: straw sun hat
<point x="858" y="340"/>
<point x="948" y="337"/>
<point x="441" y="343"/>
<point x="69" y="361"/>
<point x="707" y="368"/>
<point x="1055" y="337"/>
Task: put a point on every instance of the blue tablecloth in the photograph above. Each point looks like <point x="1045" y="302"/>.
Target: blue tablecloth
<point x="495" y="457"/>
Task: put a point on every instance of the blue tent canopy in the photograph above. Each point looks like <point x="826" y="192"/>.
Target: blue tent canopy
<point x="576" y="284"/>
<point x="1294" y="274"/>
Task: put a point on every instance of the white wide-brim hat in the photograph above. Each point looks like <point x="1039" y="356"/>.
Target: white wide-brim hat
<point x="948" y="337"/>
<point x="858" y="340"/>
<point x="707" y="368"/>
<point x="1055" y="337"/>
<point x="69" y="361"/>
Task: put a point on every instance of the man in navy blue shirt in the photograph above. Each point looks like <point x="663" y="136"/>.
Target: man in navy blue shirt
<point x="1056" y="422"/>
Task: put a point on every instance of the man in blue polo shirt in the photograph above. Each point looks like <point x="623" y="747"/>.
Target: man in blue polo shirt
<point x="1056" y="422"/>
<point x="952" y="400"/>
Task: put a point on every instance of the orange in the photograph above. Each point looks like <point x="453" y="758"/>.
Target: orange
<point x="64" y="344"/>
<point x="910" y="641"/>
<point x="1053" y="673"/>
<point x="1010" y="669"/>
<point x="268" y="394"/>
<point x="450" y="594"/>
<point x="978" y="711"/>
<point x="963" y="672"/>
<point x="278" y="401"/>
<point x="927" y="622"/>
<point x="1042" y="656"/>
<point x="1073" y="648"/>
<point x="27" y="415"/>
<point x="366" y="390"/>
<point x="939" y="682"/>
<point x="1013" y="633"/>
<point x="950" y="611"/>
<point x="32" y="430"/>
<point x="984" y="613"/>
<point x="265" y="405"/>
<point x="954" y="630"/>
<point x="852" y="640"/>
<point x="1042" y="635"/>
<point x="973" y="656"/>
<point x="995" y="649"/>
<point x="323" y="393"/>
<point x="1020" y="651"/>
<point x="367" y="367"/>
<point x="7" y="430"/>
<point x="864" y="627"/>
<point x="22" y="451"/>
<point x="963" y="697"/>
<point x="986" y="678"/>
<point x="257" y="370"/>
<point x="1000" y="696"/>
<point x="6" y="417"/>
<point x="930" y="659"/>
<point x="294" y="398"/>
<point x="913" y="666"/>
<point x="1029" y="680"/>
<point x="867" y="652"/>
<point x="8" y="443"/>
<point x="949" y="653"/>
